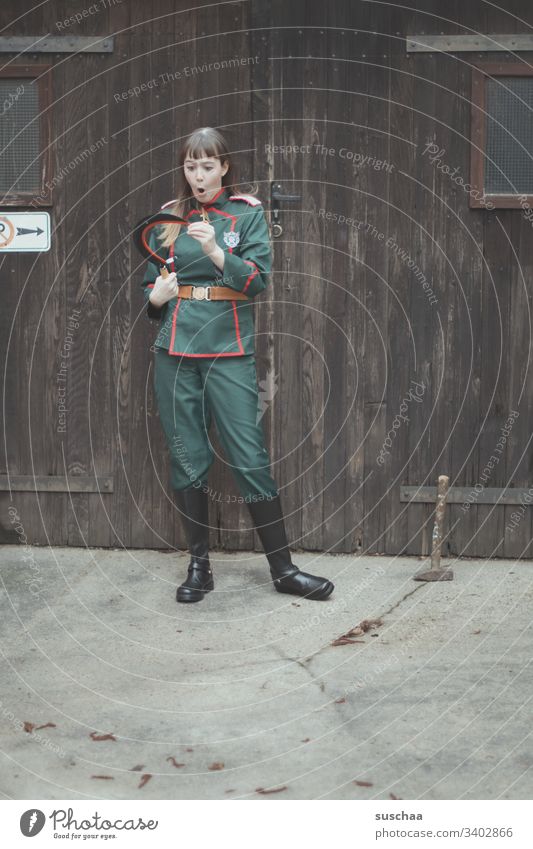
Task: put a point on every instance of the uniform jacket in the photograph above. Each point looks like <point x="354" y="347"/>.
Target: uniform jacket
<point x="195" y="328"/>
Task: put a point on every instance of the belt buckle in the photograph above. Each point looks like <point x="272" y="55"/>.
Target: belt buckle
<point x="201" y="293"/>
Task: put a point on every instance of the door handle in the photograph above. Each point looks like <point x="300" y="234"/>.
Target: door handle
<point x="276" y="199"/>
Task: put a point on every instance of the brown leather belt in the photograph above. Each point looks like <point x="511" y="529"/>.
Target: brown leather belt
<point x="211" y="293"/>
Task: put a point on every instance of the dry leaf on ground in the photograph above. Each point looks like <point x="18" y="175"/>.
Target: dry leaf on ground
<point x="274" y="790"/>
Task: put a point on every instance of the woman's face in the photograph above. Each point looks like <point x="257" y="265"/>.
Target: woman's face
<point x="204" y="176"/>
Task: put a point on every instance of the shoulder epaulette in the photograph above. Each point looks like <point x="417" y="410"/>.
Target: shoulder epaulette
<point x="251" y="199"/>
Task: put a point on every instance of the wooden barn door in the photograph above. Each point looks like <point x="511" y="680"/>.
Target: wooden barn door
<point x="320" y="102"/>
<point x="317" y="121"/>
<point x="387" y="361"/>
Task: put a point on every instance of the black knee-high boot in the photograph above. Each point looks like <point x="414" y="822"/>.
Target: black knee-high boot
<point x="194" y="505"/>
<point x="267" y="516"/>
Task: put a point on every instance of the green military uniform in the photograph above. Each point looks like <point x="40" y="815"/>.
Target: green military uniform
<point x="205" y="350"/>
<point x="194" y="328"/>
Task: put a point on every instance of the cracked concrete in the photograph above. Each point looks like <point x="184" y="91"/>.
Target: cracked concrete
<point x="435" y="703"/>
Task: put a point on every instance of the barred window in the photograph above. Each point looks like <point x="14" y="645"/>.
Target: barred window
<point x="24" y="135"/>
<point x="502" y="135"/>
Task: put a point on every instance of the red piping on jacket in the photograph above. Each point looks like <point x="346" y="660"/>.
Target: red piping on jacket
<point x="254" y="273"/>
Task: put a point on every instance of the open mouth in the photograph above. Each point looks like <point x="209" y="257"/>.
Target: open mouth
<point x="200" y="190"/>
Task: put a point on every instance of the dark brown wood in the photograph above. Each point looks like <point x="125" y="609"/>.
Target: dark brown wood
<point x="32" y="417"/>
<point x="81" y="291"/>
<point x="55" y="508"/>
<point x="147" y="130"/>
<point x="519" y="537"/>
<point x="343" y="460"/>
<point x="373" y="185"/>
<point x="308" y="281"/>
<point x="290" y="284"/>
<point x="494" y="397"/>
<point x="424" y="319"/>
<point x="125" y="271"/>
<point x="99" y="373"/>
<point x="346" y="325"/>
<point x="172" y="31"/>
<point x="266" y="311"/>
<point x="403" y="158"/>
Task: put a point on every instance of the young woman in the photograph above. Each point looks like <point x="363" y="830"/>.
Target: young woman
<point x="205" y="356"/>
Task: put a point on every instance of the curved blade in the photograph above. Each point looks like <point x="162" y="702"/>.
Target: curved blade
<point x="143" y="229"/>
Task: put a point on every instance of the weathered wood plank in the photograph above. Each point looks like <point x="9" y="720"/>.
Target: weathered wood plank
<point x="342" y="465"/>
<point x="464" y="248"/>
<point x="289" y="282"/>
<point x="34" y="388"/>
<point x="488" y="535"/>
<point x="422" y="318"/>
<point x="443" y="280"/>
<point x="57" y="483"/>
<point x="79" y="295"/>
<point x="312" y="287"/>
<point x="374" y="181"/>
<point x="124" y="273"/>
<point x="55" y="507"/>
<point x="392" y="469"/>
<point x="100" y="378"/>
<point x="143" y="133"/>
<point x="353" y="110"/>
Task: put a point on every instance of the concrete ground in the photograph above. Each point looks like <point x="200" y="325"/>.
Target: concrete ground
<point x="244" y="696"/>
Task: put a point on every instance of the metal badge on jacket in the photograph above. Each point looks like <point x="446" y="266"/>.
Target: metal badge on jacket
<point x="232" y="239"/>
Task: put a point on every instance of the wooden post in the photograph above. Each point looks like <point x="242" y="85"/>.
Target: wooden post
<point x="437" y="573"/>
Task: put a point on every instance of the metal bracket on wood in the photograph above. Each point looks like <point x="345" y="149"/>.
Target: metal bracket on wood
<point x="466" y="495"/>
<point x="56" y="44"/>
<point x="468" y="43"/>
<point x="56" y="483"/>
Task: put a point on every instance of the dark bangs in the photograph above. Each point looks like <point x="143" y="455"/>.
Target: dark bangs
<point x="205" y="142"/>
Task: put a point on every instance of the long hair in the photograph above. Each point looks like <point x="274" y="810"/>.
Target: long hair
<point x="203" y="142"/>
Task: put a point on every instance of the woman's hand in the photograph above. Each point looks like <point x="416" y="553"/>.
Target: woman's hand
<point x="205" y="234"/>
<point x="165" y="288"/>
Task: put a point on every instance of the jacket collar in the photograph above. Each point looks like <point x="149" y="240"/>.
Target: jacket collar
<point x="218" y="200"/>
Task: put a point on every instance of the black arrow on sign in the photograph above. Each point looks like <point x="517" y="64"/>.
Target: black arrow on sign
<point x="21" y="231"/>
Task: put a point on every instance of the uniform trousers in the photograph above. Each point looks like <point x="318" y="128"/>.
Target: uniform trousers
<point x="190" y="393"/>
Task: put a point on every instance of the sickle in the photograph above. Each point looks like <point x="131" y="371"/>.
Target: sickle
<point x="142" y="231"/>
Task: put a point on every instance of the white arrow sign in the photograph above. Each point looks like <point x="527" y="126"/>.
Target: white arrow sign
<point x="24" y="231"/>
